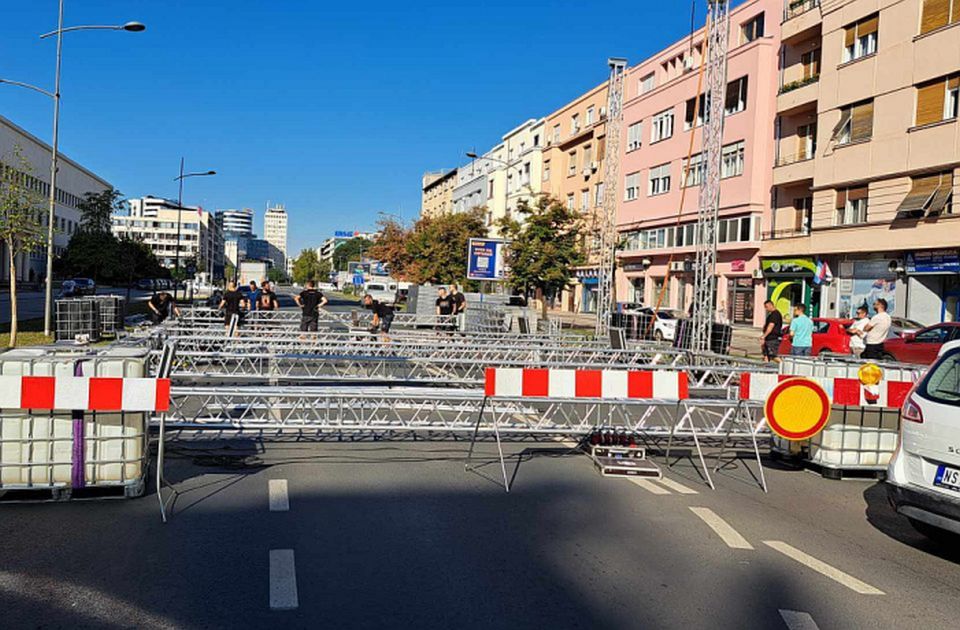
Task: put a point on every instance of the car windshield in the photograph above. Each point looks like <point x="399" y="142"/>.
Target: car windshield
<point x="375" y="287"/>
<point x="903" y="322"/>
<point x="942" y="384"/>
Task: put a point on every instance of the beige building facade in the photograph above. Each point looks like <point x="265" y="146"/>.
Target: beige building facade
<point x="437" y="193"/>
<point x="868" y="149"/>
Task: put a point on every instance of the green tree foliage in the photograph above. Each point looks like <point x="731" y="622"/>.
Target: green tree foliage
<point x="544" y="246"/>
<point x="276" y="275"/>
<point x="391" y="246"/>
<point x="437" y="246"/>
<point x="307" y="267"/>
<point x="350" y="251"/>
<point x="97" y="208"/>
<point x="20" y="226"/>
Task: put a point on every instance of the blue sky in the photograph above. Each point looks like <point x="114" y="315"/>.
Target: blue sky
<point x="334" y="109"/>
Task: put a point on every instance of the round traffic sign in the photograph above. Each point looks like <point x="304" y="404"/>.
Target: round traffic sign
<point x="797" y="409"/>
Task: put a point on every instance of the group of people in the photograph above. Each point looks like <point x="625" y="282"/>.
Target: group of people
<point x="867" y="334"/>
<point x="234" y="303"/>
<point x="452" y="303"/>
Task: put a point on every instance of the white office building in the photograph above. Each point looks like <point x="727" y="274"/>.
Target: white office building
<point x="275" y="231"/>
<point x="235" y="223"/>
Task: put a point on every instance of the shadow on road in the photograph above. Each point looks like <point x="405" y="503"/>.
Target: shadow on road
<point x="881" y="515"/>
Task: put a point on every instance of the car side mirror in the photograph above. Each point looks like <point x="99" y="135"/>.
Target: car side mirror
<point x="909" y="336"/>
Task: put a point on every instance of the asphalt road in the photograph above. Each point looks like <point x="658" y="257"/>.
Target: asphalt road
<point x="30" y="303"/>
<point x="398" y="535"/>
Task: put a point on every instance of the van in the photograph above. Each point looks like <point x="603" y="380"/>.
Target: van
<point x="383" y="292"/>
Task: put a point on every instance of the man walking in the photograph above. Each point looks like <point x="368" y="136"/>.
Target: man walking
<point x="459" y="305"/>
<point x="231" y="304"/>
<point x="311" y="301"/>
<point x="801" y="332"/>
<point x="772" y="330"/>
<point x="876" y="331"/>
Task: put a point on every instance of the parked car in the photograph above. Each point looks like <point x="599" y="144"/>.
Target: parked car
<point x="900" y="325"/>
<point x="923" y="478"/>
<point x="923" y="345"/>
<point x="85" y="286"/>
<point x="145" y="284"/>
<point x="68" y="289"/>
<point x="829" y="335"/>
<point x="664" y="321"/>
<point x="382" y="292"/>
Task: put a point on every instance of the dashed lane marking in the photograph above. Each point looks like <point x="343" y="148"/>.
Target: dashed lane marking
<point x="797" y="620"/>
<point x="823" y="568"/>
<point x="677" y="487"/>
<point x="278" y="496"/>
<point x="721" y="528"/>
<point x="283" y="580"/>
<point x="648" y="485"/>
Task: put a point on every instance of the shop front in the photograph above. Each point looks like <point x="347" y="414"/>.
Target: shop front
<point x="589" y="287"/>
<point x="790" y="281"/>
<point x="863" y="282"/>
<point x="933" y="285"/>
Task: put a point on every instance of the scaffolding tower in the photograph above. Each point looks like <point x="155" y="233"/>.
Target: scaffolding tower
<point x="609" y="239"/>
<point x="714" y="97"/>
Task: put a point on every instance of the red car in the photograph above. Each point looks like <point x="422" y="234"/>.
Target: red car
<point x="923" y="345"/>
<point x="829" y="335"/>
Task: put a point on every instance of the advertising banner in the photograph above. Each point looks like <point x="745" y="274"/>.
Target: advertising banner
<point x="485" y="259"/>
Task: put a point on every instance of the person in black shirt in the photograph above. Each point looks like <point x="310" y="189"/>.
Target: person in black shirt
<point x="444" y="303"/>
<point x="268" y="299"/>
<point x="311" y="301"/>
<point x="382" y="314"/>
<point x="231" y="303"/>
<point x="772" y="330"/>
<point x="160" y="306"/>
<point x="459" y="301"/>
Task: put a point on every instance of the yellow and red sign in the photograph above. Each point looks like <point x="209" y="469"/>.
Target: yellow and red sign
<point x="797" y="408"/>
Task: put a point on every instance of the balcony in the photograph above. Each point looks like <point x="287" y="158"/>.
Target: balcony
<point x="784" y="233"/>
<point x="799" y="16"/>
<point x="793" y="167"/>
<point x="796" y="94"/>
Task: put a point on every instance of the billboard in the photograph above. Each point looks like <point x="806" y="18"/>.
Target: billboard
<point x="486" y="259"/>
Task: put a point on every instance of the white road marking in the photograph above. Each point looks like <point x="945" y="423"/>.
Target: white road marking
<point x="677" y="487"/>
<point x="648" y="485"/>
<point x="797" y="620"/>
<point x="279" y="498"/>
<point x="721" y="528"/>
<point x="823" y="568"/>
<point x="283" y="580"/>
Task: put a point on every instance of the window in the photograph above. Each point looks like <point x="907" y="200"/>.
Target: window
<point x="587" y="159"/>
<point x="525" y="178"/>
<point x="851" y="206"/>
<point x="575" y="124"/>
<point x="856" y="123"/>
<point x="937" y="100"/>
<point x="929" y="196"/>
<point x="661" y="126"/>
<point x="571" y="164"/>
<point x="860" y="38"/>
<point x="546" y="170"/>
<point x="632" y="187"/>
<point x="736" y="99"/>
<point x="490" y="188"/>
<point x="634" y="135"/>
<point x="598" y="194"/>
<point x="806" y="141"/>
<point x="570" y="201"/>
<point x="693" y="111"/>
<point x="811" y="64"/>
<point x="942" y="384"/>
<point x="938" y="13"/>
<point x="694" y="171"/>
<point x="536" y="140"/>
<point x="661" y="287"/>
<point x="584" y="200"/>
<point x="659" y="180"/>
<point x="648" y="82"/>
<point x="802" y="214"/>
<point x="591" y="111"/>
<point x="556" y="133"/>
<point x="753" y="29"/>
<point x="731" y="160"/>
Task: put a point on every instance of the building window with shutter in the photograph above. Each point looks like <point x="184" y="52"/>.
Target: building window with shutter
<point x="695" y="114"/>
<point x="731" y="160"/>
<point x="632" y="187"/>
<point x="753" y="29"/>
<point x="938" y="13"/>
<point x="736" y="99"/>
<point x="937" y="100"/>
<point x="661" y="126"/>
<point x="811" y="64"/>
<point x="634" y="136"/>
<point x="851" y="206"/>
<point x="659" y="180"/>
<point x="856" y="123"/>
<point x="571" y="164"/>
<point x="860" y="38"/>
<point x="929" y="196"/>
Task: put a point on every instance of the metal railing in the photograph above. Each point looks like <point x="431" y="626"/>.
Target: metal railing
<point x="793" y="8"/>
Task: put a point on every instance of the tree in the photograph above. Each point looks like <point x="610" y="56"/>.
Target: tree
<point x="544" y="247"/>
<point x="20" y="226"/>
<point x="98" y="208"/>
<point x="276" y="275"/>
<point x="437" y="246"/>
<point x="391" y="246"/>
<point x="352" y="250"/>
<point x="306" y="266"/>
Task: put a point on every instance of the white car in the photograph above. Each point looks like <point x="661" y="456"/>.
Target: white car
<point x="382" y="292"/>
<point x="923" y="479"/>
<point x="665" y="321"/>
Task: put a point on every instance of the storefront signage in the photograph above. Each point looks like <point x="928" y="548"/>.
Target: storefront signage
<point x="788" y="266"/>
<point x="937" y="261"/>
<point x="634" y="267"/>
<point x="738" y="265"/>
<point x="486" y="259"/>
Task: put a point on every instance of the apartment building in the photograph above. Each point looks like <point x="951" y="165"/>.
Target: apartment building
<point x="154" y="221"/>
<point x="573" y="170"/>
<point x="235" y="223"/>
<point x="275" y="232"/>
<point x="472" y="189"/>
<point x="868" y="149"/>
<point x="659" y="190"/>
<point x="437" y="192"/>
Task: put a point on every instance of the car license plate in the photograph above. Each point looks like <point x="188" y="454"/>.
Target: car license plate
<point x="947" y="478"/>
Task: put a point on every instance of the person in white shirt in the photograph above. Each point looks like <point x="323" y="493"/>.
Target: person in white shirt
<point x="855" y="330"/>
<point x="876" y="331"/>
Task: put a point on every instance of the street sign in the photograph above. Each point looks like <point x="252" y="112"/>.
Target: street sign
<point x="486" y="259"/>
<point x="797" y="409"/>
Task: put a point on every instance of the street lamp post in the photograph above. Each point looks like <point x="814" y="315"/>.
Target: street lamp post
<point x="132" y="27"/>
<point x="176" y="264"/>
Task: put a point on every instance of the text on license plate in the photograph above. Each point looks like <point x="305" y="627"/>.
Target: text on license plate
<point x="947" y="478"/>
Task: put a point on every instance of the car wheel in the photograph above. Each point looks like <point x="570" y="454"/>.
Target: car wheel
<point x="824" y="352"/>
<point x="934" y="533"/>
<point x="658" y="335"/>
<point x="886" y="356"/>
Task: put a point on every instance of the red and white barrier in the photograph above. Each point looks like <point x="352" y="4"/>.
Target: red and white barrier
<point x="841" y="391"/>
<point x="603" y="384"/>
<point x="70" y="393"/>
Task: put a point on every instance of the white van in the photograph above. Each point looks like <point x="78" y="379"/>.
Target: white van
<point x="383" y="292"/>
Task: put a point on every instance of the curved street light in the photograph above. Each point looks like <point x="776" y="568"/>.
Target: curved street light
<point x="132" y="27"/>
<point x="180" y="179"/>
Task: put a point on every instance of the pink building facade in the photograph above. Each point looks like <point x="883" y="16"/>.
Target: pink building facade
<point x="657" y="211"/>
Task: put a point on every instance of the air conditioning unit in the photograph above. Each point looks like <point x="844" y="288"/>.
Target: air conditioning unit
<point x="587" y="171"/>
<point x="594" y="166"/>
<point x="688" y="64"/>
<point x="676" y="265"/>
<point x="757" y="274"/>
